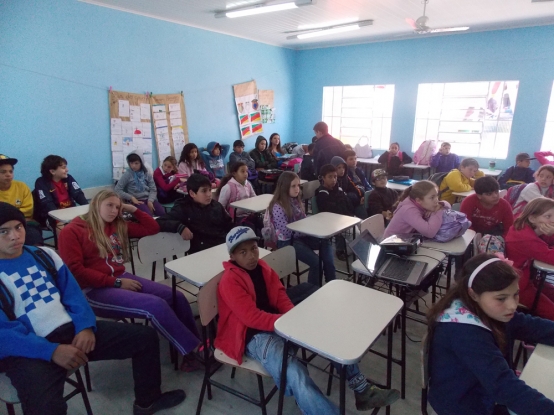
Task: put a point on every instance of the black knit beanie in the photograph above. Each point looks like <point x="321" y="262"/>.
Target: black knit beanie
<point x="9" y="212"/>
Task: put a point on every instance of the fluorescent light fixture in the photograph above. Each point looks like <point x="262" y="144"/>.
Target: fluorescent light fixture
<point x="328" y="24"/>
<point x="263" y="8"/>
<point x="324" y="31"/>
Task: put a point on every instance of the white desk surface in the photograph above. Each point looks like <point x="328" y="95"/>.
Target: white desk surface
<point x="543" y="266"/>
<point x="464" y="194"/>
<point x="489" y="172"/>
<point x="417" y="166"/>
<point x="398" y="186"/>
<point x="68" y="214"/>
<point x="456" y="246"/>
<point x="324" y="224"/>
<point x="538" y="373"/>
<point x="324" y="322"/>
<point x="368" y="161"/>
<point x="200" y="267"/>
<point x="422" y="255"/>
<point x="254" y="204"/>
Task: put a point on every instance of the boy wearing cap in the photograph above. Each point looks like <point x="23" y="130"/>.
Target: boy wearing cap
<point x="250" y="299"/>
<point x="518" y="174"/>
<point x="48" y="328"/>
<point x="382" y="199"/>
<point x="239" y="154"/>
<point x="18" y="194"/>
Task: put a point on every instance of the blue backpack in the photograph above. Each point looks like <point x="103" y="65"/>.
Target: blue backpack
<point x="454" y="224"/>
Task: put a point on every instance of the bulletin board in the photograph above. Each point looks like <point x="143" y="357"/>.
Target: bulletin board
<point x="248" y="109"/>
<point x="170" y="124"/>
<point x="130" y="128"/>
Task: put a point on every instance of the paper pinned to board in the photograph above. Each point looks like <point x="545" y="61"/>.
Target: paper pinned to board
<point x="158" y="108"/>
<point x="146" y="130"/>
<point x="266" y="97"/>
<point x="118" y="172"/>
<point x="160" y="123"/>
<point x="159" y="116"/>
<point x="123" y="108"/>
<point x="146" y="146"/>
<point x="117" y="142"/>
<point x="118" y="159"/>
<point x="127" y="128"/>
<point x="134" y="113"/>
<point x="176" y="122"/>
<point x="175" y="114"/>
<point x="144" y="111"/>
<point x="115" y="125"/>
<point x="174" y="107"/>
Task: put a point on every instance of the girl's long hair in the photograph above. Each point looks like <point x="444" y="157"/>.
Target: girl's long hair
<point x="281" y="195"/>
<point x="96" y="227"/>
<point x="234" y="168"/>
<point x="496" y="276"/>
<point x="416" y="191"/>
<point x="278" y="148"/>
<point x="185" y="154"/>
<point x="535" y="207"/>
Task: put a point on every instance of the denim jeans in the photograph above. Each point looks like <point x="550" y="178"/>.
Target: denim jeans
<point x="267" y="348"/>
<point x="304" y="247"/>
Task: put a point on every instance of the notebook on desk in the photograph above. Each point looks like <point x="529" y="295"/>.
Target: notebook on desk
<point x="382" y="265"/>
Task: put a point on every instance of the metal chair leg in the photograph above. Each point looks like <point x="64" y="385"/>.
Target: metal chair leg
<point x="83" y="391"/>
<point x="262" y="394"/>
<point x="87" y="378"/>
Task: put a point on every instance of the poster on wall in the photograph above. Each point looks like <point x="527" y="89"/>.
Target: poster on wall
<point x="248" y="108"/>
<point x="267" y="108"/>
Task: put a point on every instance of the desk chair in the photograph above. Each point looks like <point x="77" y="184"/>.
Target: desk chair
<point x="315" y="209"/>
<point x="502" y="194"/>
<point x="308" y="192"/>
<point x="456" y="207"/>
<point x="207" y="305"/>
<point x="366" y="198"/>
<point x="161" y="246"/>
<point x="8" y="394"/>
<point x="375" y="225"/>
<point x="425" y="346"/>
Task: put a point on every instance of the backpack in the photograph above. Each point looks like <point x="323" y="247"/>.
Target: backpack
<point x="268" y="231"/>
<point x="425" y="152"/>
<point x="513" y="194"/>
<point x="491" y="244"/>
<point x="287" y="148"/>
<point x="437" y="178"/>
<point x="290" y="163"/>
<point x="44" y="260"/>
<point x="454" y="224"/>
<point x="363" y="150"/>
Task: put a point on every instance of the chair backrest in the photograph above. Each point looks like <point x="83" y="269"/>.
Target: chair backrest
<point x="375" y="225"/>
<point x="8" y="393"/>
<point x="503" y="193"/>
<point x="366" y="197"/>
<point x="162" y="245"/>
<point x="308" y="189"/>
<point x="476" y="240"/>
<point x="315" y="209"/>
<point x="282" y="261"/>
<point x="207" y="300"/>
<point x="456" y="207"/>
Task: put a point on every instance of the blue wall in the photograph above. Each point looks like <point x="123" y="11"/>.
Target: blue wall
<point x="522" y="54"/>
<point x="57" y="60"/>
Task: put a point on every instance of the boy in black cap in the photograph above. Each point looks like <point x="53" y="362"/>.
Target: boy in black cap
<point x="518" y="174"/>
<point x="18" y="194"/>
<point x="381" y="199"/>
<point x="48" y="328"/>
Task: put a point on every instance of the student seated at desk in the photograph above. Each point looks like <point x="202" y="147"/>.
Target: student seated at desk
<point x="234" y="187"/>
<point x="287" y="207"/>
<point x="263" y="158"/>
<point x="531" y="238"/>
<point x="418" y="210"/>
<point x="518" y="174"/>
<point x="461" y="179"/>
<point x="444" y="160"/>
<point x="543" y="186"/>
<point x="166" y="180"/>
<point x="199" y="219"/>
<point x="471" y="340"/>
<point x="95" y="247"/>
<point x="394" y="160"/>
<point x="381" y="199"/>
<point x="250" y="299"/>
<point x="354" y="193"/>
<point x="214" y="158"/>
<point x="191" y="162"/>
<point x="488" y="213"/>
<point x="355" y="173"/>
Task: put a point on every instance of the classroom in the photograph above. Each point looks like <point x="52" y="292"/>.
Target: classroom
<point x="58" y="60"/>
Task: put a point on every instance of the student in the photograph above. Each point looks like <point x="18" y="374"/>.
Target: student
<point x="330" y="197"/>
<point x="471" y="335"/>
<point x="544" y="186"/>
<point x="263" y="158"/>
<point x="529" y="239"/>
<point x="518" y="174"/>
<point x="419" y="210"/>
<point x="250" y="299"/>
<point x="191" y="162"/>
<point x="95" y="248"/>
<point x="287" y="207"/>
<point x="355" y="173"/>
<point x="381" y="199"/>
<point x="461" y="179"/>
<point x="326" y="146"/>
<point x="444" y="160"/>
<point x="234" y="187"/>
<point x="55" y="189"/>
<point x="18" y="194"/>
<point x="394" y="160"/>
<point x="166" y="181"/>
<point x="137" y="187"/>
<point x="199" y="219"/>
<point x="275" y="145"/>
<point x="307" y="168"/>
<point x="214" y="159"/>
<point x="239" y="154"/>
<point x="41" y="339"/>
<point x="354" y="193"/>
<point x="488" y="213"/>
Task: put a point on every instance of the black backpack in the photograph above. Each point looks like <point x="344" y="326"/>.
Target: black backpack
<point x="437" y="178"/>
<point x="44" y="260"/>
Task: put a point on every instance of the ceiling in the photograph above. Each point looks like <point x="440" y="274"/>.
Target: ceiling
<point x="388" y="15"/>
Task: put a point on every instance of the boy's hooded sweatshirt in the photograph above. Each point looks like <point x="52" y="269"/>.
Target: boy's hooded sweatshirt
<point x="139" y="184"/>
<point x="215" y="164"/>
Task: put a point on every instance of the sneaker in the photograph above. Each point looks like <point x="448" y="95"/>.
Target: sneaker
<point x="341" y="255"/>
<point x="165" y="401"/>
<point x="374" y="397"/>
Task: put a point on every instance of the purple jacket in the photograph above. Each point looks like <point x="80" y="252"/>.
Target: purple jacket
<point x="409" y="217"/>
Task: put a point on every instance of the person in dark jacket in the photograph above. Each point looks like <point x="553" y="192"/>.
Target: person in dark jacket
<point x="471" y="338"/>
<point x="55" y="189"/>
<point x="326" y="147"/>
<point x="239" y="154"/>
<point x="518" y="174"/>
<point x="307" y="168"/>
<point x="354" y="193"/>
<point x="262" y="156"/>
<point x="199" y="219"/>
<point x="355" y="173"/>
<point x="381" y="199"/>
<point x="394" y="160"/>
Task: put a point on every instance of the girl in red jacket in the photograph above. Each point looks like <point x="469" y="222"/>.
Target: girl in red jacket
<point x="95" y="247"/>
<point x="166" y="180"/>
<point x="530" y="238"/>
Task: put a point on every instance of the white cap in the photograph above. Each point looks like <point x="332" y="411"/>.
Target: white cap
<point x="238" y="235"/>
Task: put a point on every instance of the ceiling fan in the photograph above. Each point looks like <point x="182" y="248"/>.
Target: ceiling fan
<point x="421" y="28"/>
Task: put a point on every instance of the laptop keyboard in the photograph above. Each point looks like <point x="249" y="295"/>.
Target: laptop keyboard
<point x="399" y="269"/>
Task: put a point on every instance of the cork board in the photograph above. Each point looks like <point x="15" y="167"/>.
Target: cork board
<point x="170" y="124"/>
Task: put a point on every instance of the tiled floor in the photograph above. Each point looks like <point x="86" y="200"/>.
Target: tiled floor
<point x="113" y="386"/>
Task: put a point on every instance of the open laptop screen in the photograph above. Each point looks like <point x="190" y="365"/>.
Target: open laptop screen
<point x="367" y="250"/>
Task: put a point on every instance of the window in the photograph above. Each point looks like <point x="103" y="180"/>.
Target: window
<point x="352" y="112"/>
<point x="548" y="137"/>
<point x="474" y="117"/>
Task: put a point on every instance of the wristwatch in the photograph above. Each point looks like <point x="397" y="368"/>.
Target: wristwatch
<point x="117" y="283"/>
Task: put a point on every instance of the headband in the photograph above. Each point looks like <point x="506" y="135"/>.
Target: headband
<point x="479" y="268"/>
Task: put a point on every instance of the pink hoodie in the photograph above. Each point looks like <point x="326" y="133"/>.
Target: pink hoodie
<point x="409" y="217"/>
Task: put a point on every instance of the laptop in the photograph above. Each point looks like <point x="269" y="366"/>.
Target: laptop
<point x="386" y="266"/>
